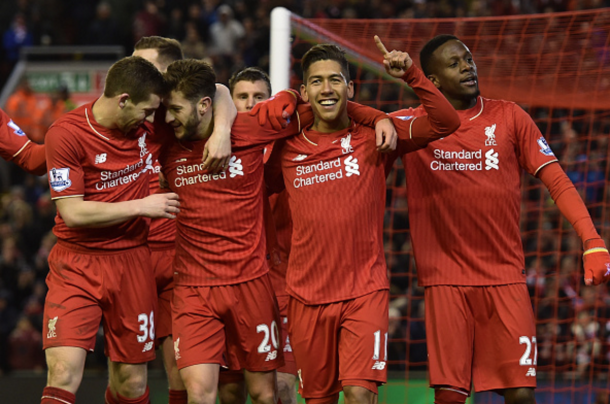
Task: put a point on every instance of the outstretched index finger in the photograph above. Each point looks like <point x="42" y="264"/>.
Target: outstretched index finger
<point x="380" y="45"/>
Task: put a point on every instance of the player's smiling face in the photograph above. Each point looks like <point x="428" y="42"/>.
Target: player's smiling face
<point x="134" y="115"/>
<point x="328" y="91"/>
<point x="182" y="115"/>
<point x="246" y="94"/>
<point x="455" y="74"/>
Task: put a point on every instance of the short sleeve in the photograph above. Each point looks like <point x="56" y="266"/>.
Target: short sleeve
<point x="12" y="139"/>
<point x="533" y="149"/>
<point x="66" y="175"/>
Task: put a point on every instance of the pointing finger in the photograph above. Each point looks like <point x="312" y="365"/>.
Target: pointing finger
<point x="380" y="45"/>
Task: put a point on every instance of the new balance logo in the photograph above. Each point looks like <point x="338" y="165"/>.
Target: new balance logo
<point x="235" y="167"/>
<point x="379" y="365"/>
<point x="52" y="325"/>
<point x="491" y="160"/>
<point x="100" y="158"/>
<point x="531" y="372"/>
<point x="271" y="356"/>
<point x="345" y="144"/>
<point x="491" y="136"/>
<point x="300" y="157"/>
<point x="351" y="166"/>
<point x="607" y="270"/>
<point x="148" y="346"/>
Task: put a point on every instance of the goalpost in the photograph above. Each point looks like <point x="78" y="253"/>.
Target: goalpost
<point x="557" y="67"/>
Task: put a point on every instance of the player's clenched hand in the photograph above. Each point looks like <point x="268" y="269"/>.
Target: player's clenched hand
<point x="217" y="151"/>
<point x="385" y="136"/>
<point x="276" y="110"/>
<point x="596" y="262"/>
<point x="396" y="63"/>
<point x="160" y="205"/>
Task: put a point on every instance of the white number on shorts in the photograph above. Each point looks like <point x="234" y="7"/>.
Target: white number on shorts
<point x="525" y="359"/>
<point x="377" y="347"/>
<point x="274" y="332"/>
<point x="144" y="321"/>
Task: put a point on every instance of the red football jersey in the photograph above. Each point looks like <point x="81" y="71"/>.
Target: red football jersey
<point x="282" y="220"/>
<point x="336" y="191"/>
<point x="99" y="164"/>
<point x="220" y="237"/>
<point x="464" y="196"/>
<point x="12" y="138"/>
<point x="162" y="231"/>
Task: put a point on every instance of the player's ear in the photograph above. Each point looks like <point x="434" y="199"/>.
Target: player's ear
<point x="434" y="80"/>
<point x="304" y="93"/>
<point x="350" y="89"/>
<point x="123" y="98"/>
<point x="203" y="105"/>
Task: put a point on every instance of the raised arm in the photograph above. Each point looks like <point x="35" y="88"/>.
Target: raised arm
<point x="441" y="119"/>
<point x="217" y="151"/>
<point x="596" y="260"/>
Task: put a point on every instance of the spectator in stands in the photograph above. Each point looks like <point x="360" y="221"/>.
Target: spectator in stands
<point x="193" y="46"/>
<point x="226" y="33"/>
<point x="25" y="346"/>
<point x="104" y="30"/>
<point x="27" y="110"/>
<point x="149" y="21"/>
<point x="16" y="37"/>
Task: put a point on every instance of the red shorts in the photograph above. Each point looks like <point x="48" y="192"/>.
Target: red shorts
<point x="115" y="288"/>
<point x="290" y="366"/>
<point x="483" y="335"/>
<point x="340" y="344"/>
<point x="234" y="325"/>
<point x="162" y="260"/>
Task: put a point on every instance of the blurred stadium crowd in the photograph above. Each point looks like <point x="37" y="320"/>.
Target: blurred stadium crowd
<point x="235" y="34"/>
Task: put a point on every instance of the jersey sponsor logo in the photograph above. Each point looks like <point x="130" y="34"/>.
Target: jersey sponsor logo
<point x="345" y="144"/>
<point x="351" y="166"/>
<point x="491" y="160"/>
<point x="235" y="167"/>
<point x="199" y="178"/>
<point x="59" y="179"/>
<point x="379" y="365"/>
<point x="531" y="372"/>
<point x="52" y="331"/>
<point x="491" y="136"/>
<point x="148" y="346"/>
<point x="100" y="158"/>
<point x="336" y="168"/>
<point x="544" y="147"/>
<point x="300" y="157"/>
<point x="16" y="129"/>
<point x="404" y="118"/>
<point x="127" y="175"/>
<point x="464" y="160"/>
<point x="177" y="349"/>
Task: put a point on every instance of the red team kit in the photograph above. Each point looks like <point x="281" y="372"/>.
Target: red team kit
<point x="327" y="217"/>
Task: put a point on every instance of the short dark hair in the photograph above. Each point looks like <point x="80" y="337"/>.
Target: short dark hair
<point x="195" y="79"/>
<point x="251" y="74"/>
<point x="169" y="49"/>
<point x="425" y="55"/>
<point x="135" y="76"/>
<point x="325" y="51"/>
